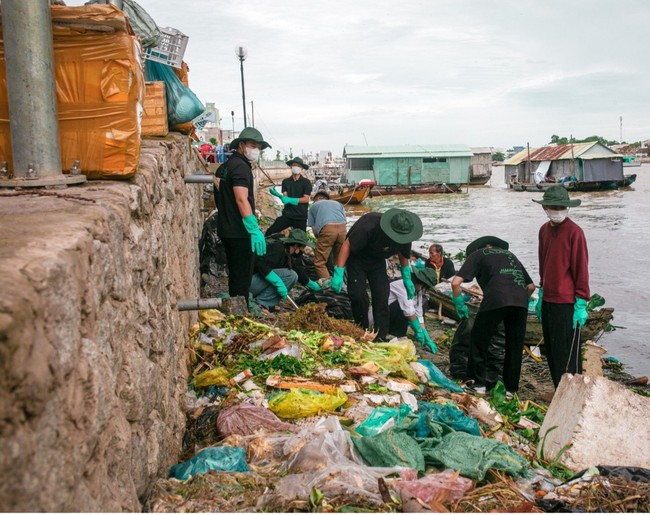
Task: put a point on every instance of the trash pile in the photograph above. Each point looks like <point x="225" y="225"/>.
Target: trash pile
<point x="309" y="415"/>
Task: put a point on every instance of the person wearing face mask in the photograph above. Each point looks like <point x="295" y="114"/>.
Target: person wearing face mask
<point x="296" y="192"/>
<point x="235" y="199"/>
<point x="280" y="268"/>
<point x="563" y="285"/>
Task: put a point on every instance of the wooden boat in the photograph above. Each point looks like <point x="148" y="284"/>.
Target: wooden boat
<point x="540" y="186"/>
<point x="479" y="180"/>
<point x="595" y="326"/>
<point x="574" y="185"/>
<point x="403" y="189"/>
<point x="355" y="194"/>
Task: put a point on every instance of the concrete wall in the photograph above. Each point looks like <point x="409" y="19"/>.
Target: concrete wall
<point x="93" y="363"/>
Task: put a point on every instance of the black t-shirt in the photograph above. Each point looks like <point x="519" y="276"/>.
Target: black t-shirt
<point x="276" y="257"/>
<point x="234" y="172"/>
<point x="296" y="189"/>
<point x="369" y="244"/>
<point x="447" y="270"/>
<point x="500" y="275"/>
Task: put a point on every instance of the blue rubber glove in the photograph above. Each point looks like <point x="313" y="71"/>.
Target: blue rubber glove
<point x="313" y="285"/>
<point x="408" y="282"/>
<point x="419" y="264"/>
<point x="461" y="309"/>
<point x="275" y="280"/>
<point x="258" y="243"/>
<point x="337" y="279"/>
<point x="538" y="306"/>
<point x="580" y="312"/>
<point x="290" y="200"/>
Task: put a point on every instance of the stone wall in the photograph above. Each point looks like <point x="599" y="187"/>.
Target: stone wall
<point x="93" y="361"/>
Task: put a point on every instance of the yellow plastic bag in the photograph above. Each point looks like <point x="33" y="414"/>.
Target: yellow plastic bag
<point x="217" y="376"/>
<point x="211" y="316"/>
<point x="300" y="403"/>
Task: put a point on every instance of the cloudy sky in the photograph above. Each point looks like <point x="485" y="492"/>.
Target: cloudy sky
<point x="484" y="73"/>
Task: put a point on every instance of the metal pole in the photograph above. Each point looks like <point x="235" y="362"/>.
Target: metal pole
<point x="31" y="94"/>
<point x="243" y="91"/>
<point x="198" y="304"/>
<point x="199" y="178"/>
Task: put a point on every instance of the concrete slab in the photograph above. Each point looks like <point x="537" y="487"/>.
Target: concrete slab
<point x="601" y="421"/>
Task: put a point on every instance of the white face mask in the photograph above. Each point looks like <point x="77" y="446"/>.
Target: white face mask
<point x="252" y="154"/>
<point x="557" y="216"/>
<point x="296" y="170"/>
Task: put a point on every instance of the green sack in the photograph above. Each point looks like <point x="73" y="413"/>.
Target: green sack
<point x="390" y="448"/>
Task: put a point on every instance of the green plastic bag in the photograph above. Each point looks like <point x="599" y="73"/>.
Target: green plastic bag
<point x="224" y="459"/>
<point x="299" y="403"/>
<point x="439" y="378"/>
<point x="379" y="417"/>
<point x="447" y="415"/>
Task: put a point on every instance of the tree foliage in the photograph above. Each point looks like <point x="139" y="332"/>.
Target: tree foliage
<point x="563" y="140"/>
<point x="498" y="156"/>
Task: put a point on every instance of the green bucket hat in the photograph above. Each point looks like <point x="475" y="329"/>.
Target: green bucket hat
<point x="426" y="276"/>
<point x="481" y="242"/>
<point x="297" y="236"/>
<point x="249" y="134"/>
<point x="557" y="196"/>
<point x="401" y="225"/>
<point x="298" y="161"/>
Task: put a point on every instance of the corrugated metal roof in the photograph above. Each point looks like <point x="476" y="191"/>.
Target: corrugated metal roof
<point x="360" y="151"/>
<point x="481" y="150"/>
<point x="556" y="152"/>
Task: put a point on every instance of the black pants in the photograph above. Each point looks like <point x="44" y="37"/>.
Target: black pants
<point x="239" y="255"/>
<point x="398" y="324"/>
<point x="561" y="341"/>
<point x="375" y="274"/>
<point x="483" y="365"/>
<point x="282" y="222"/>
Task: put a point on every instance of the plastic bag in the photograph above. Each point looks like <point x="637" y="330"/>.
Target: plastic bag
<point x="449" y="416"/>
<point x="217" y="376"/>
<point x="439" y="378"/>
<point x="143" y="24"/>
<point x="182" y="104"/>
<point x="246" y="419"/>
<point x="447" y="485"/>
<point x="379" y="419"/>
<point x="299" y="403"/>
<point x="224" y="459"/>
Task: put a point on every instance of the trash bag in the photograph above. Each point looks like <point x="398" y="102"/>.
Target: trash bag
<point x="182" y="104"/>
<point x="337" y="305"/>
<point x="224" y="459"/>
<point x="436" y="376"/>
<point x="246" y="419"/>
<point x="393" y="447"/>
<point x="299" y="402"/>
<point x="446" y="484"/>
<point x="459" y="351"/>
<point x="212" y="254"/>
<point x="380" y="418"/>
<point x="143" y="25"/>
<point x="449" y="416"/>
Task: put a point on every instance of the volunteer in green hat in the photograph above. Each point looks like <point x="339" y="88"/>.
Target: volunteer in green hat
<point x="506" y="288"/>
<point x="563" y="283"/>
<point x="235" y="199"/>
<point x="296" y="193"/>
<point x="370" y="241"/>
<point x="280" y="268"/>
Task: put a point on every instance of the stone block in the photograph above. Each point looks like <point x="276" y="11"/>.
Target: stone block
<point x="601" y="422"/>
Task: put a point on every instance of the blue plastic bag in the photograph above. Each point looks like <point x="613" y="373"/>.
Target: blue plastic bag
<point x="439" y="378"/>
<point x="223" y="459"/>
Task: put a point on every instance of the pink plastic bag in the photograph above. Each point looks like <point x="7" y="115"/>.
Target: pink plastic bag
<point x="246" y="419"/>
<point x="443" y="486"/>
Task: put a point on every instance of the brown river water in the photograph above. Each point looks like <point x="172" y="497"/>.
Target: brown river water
<point x="615" y="223"/>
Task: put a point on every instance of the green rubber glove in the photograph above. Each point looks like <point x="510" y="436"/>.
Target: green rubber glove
<point x="275" y="280"/>
<point x="290" y="200"/>
<point x="428" y="342"/>
<point x="538" y="306"/>
<point x="408" y="282"/>
<point x="275" y="192"/>
<point x="420" y="265"/>
<point x="417" y="329"/>
<point x="258" y="243"/>
<point x="337" y="279"/>
<point x="580" y="312"/>
<point x="461" y="309"/>
<point x="313" y="285"/>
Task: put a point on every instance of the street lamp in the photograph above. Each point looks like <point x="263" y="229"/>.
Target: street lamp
<point x="241" y="54"/>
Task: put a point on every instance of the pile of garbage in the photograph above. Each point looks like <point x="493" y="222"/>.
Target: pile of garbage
<point x="307" y="417"/>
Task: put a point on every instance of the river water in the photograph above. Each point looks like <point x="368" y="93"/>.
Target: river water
<point x="615" y="223"/>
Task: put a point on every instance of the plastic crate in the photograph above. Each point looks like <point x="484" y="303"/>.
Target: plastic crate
<point x="171" y="48"/>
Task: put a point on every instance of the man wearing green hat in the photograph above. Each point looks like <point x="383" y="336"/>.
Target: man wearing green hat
<point x="235" y="199"/>
<point x="370" y="241"/>
<point x="296" y="192"/>
<point x="280" y="268"/>
<point x="563" y="284"/>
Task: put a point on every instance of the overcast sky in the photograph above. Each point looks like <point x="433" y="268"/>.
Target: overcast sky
<point x="483" y="73"/>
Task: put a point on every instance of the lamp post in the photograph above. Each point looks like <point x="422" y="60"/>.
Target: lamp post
<point x="241" y="53"/>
